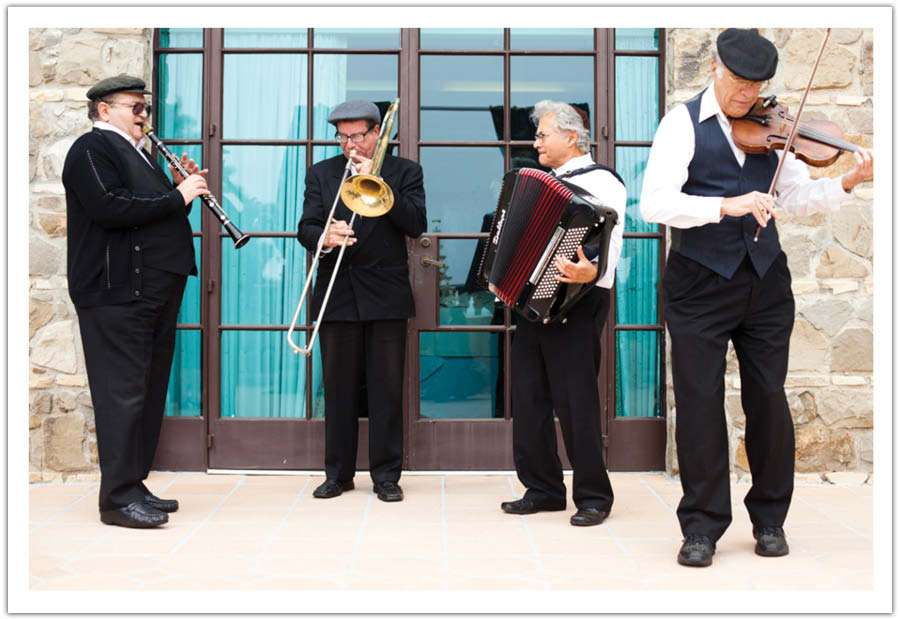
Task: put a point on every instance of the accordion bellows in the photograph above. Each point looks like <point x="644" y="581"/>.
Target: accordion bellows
<point x="538" y="218"/>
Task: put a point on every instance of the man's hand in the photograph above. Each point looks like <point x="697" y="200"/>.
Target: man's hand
<point x="580" y="272"/>
<point x="337" y="232"/>
<point x="363" y="165"/>
<point x="192" y="187"/>
<point x="189" y="165"/>
<point x="761" y="205"/>
<point x="863" y="171"/>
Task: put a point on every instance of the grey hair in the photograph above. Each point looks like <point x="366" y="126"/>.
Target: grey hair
<point x="567" y="119"/>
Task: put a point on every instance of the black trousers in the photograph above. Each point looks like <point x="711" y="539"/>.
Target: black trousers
<point x="128" y="351"/>
<point x="703" y="311"/>
<point x="554" y="369"/>
<point x="353" y="352"/>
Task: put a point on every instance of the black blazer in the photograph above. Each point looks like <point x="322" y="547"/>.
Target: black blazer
<point x="373" y="279"/>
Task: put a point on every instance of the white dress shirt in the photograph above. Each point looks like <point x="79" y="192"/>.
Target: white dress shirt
<point x="139" y="146"/>
<point x="662" y="200"/>
<point x="606" y="188"/>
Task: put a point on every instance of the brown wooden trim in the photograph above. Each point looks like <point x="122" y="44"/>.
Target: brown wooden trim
<point x="637" y="444"/>
<point x="182" y="445"/>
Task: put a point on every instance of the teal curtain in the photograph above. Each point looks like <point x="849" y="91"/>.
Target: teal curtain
<point x="637" y="274"/>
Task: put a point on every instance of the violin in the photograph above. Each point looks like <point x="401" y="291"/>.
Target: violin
<point x="768" y="125"/>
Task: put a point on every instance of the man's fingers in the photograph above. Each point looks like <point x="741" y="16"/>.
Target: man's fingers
<point x="581" y="255"/>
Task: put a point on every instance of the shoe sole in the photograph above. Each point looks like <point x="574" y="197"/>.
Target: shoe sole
<point x="695" y="563"/>
<point x="133" y="525"/>
<point x="585" y="524"/>
<point x="532" y="511"/>
<point x="764" y="553"/>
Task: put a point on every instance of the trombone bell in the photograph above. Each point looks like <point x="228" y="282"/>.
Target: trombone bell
<point x="367" y="195"/>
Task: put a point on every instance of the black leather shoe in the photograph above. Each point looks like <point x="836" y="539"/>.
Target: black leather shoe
<point x="770" y="541"/>
<point x="696" y="551"/>
<point x="588" y="517"/>
<point x="163" y="505"/>
<point x="388" y="491"/>
<point x="527" y="506"/>
<point x="331" y="488"/>
<point x="136" y="515"/>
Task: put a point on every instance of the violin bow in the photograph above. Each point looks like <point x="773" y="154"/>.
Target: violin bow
<point x="796" y="127"/>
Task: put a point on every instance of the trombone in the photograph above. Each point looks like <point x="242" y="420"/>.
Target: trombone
<point x="364" y="194"/>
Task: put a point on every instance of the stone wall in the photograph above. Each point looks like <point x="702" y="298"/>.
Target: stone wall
<point x="829" y="385"/>
<point x="62" y="65"/>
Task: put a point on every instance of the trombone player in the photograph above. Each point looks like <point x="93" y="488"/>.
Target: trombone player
<point x="363" y="330"/>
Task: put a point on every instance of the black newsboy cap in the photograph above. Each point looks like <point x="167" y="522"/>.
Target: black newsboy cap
<point x="747" y="54"/>
<point x="120" y="83"/>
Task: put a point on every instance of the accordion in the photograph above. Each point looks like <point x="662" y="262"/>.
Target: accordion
<point x="538" y="218"/>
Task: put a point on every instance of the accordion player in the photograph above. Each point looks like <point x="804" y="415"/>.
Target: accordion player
<point x="538" y="218"/>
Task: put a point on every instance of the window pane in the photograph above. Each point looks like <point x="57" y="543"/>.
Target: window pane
<point x="637" y="97"/>
<point x="180" y="96"/>
<point x="462" y="97"/>
<point x="461" y="38"/>
<point x="458" y="375"/>
<point x="630" y="164"/>
<point x="184" y="397"/>
<point x="339" y="77"/>
<point x="321" y="153"/>
<point x="262" y="282"/>
<point x="261" y="376"/>
<point x="265" y="37"/>
<point x="190" y="302"/>
<point x="195" y="152"/>
<point x="262" y="186"/>
<point x="265" y="96"/>
<point x="637" y="279"/>
<point x="551" y="38"/>
<point x="637" y="374"/>
<point x="462" y="185"/>
<point x="637" y="38"/>
<point x="462" y="301"/>
<point x="180" y="37"/>
<point x="568" y="79"/>
<point x="357" y="38"/>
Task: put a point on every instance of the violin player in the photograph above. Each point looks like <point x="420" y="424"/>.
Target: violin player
<point x="720" y="285"/>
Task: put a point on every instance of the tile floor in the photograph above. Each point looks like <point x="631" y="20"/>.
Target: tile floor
<point x="257" y="532"/>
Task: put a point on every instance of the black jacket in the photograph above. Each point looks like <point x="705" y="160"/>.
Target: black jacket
<point x="373" y="279"/>
<point x="122" y="215"/>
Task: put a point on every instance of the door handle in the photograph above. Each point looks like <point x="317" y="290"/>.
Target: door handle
<point x="426" y="261"/>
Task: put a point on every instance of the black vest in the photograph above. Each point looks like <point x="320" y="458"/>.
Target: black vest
<point x="714" y="171"/>
<point x="166" y="244"/>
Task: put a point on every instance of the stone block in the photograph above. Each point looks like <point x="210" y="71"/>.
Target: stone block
<point x="92" y="450"/>
<point x="35" y="76"/>
<point x="34" y="477"/>
<point x="47" y="96"/>
<point x="71" y="380"/>
<point x="845" y="36"/>
<point x="800" y="287"/>
<point x="735" y="410"/>
<point x="799" y="250"/>
<point x="803" y="407"/>
<point x="80" y="62"/>
<point x="84" y="399"/>
<point x="54" y="156"/>
<point x="41" y="403"/>
<point x="740" y="457"/>
<point x="864" y="447"/>
<point x="40" y="382"/>
<point x="847" y="477"/>
<point x="851" y="351"/>
<point x="865" y="311"/>
<point x="806" y="380"/>
<point x="829" y="315"/>
<point x="809" y="348"/>
<point x="54" y="224"/>
<point x="125" y="31"/>
<point x="853" y="230"/>
<point x="124" y="56"/>
<point x="807" y="478"/>
<point x="818" y="448"/>
<point x="63" y="443"/>
<point x="849" y="381"/>
<point x="48" y="69"/>
<point x="44" y="258"/>
<point x="52" y="37"/>
<point x="39" y="314"/>
<point x="35" y="448"/>
<point x="57" y="204"/>
<point x="846" y="408"/>
<point x="64" y="401"/>
<point x="55" y="348"/>
<point x="841" y="286"/>
<point x="835" y="69"/>
<point x="35" y="39"/>
<point x="836" y="262"/>
<point x="850" y="100"/>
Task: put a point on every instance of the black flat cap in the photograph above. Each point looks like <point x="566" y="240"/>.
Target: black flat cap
<point x="747" y="54"/>
<point x="355" y="109"/>
<point x="120" y="83"/>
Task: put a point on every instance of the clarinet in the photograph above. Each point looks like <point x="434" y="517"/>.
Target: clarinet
<point x="240" y="239"/>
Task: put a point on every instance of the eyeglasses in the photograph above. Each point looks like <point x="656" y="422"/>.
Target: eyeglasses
<point x="540" y="136"/>
<point x="356" y="138"/>
<point x="136" y="108"/>
<point x="743" y="84"/>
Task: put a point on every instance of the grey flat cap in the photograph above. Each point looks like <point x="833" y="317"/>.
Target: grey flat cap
<point x="355" y="109"/>
<point x="120" y="83"/>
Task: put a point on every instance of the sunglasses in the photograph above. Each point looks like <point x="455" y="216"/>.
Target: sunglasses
<point x="136" y="108"/>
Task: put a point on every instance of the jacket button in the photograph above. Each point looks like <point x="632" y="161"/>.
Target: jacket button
<point x="137" y="293"/>
<point x="137" y="270"/>
<point x="137" y="248"/>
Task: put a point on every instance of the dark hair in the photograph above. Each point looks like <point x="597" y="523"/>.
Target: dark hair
<point x="93" y="111"/>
